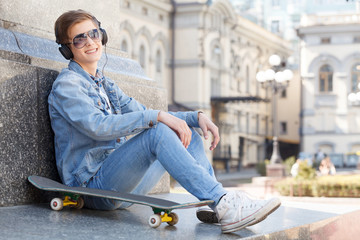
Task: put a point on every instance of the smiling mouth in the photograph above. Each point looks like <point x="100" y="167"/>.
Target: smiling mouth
<point x="91" y="51"/>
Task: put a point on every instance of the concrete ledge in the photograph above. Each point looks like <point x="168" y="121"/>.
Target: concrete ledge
<point x="44" y="49"/>
<point x="39" y="221"/>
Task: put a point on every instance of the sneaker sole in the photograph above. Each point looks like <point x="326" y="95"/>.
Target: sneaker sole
<point x="257" y="217"/>
<point x="207" y="216"/>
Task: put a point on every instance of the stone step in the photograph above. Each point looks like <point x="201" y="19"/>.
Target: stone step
<point x="39" y="221"/>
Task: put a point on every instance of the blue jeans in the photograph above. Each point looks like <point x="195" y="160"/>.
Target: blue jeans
<point x="138" y="165"/>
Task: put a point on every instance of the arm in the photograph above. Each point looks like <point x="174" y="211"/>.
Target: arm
<point x="190" y="117"/>
<point x="75" y="102"/>
<point x="182" y="129"/>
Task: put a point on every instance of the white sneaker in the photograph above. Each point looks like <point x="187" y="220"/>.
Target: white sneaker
<point x="236" y="211"/>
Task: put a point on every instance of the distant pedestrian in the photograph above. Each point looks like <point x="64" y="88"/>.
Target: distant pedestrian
<point x="327" y="167"/>
<point x="295" y="168"/>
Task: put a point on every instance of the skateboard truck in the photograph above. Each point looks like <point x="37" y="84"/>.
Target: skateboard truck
<point x="72" y="200"/>
<point x="161" y="215"/>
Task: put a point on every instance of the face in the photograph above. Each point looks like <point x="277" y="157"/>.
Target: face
<point x="90" y="53"/>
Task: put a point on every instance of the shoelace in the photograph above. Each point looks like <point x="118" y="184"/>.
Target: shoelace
<point x="245" y="201"/>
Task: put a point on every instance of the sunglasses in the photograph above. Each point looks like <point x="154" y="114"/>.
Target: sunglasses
<point x="80" y="40"/>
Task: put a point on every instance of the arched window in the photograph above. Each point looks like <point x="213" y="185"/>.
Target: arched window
<point x="158" y="61"/>
<point x="215" y="72"/>
<point x="216" y="55"/>
<point x="124" y="46"/>
<point x="142" y="56"/>
<point x="247" y="79"/>
<point x="326" y="78"/>
<point x="355" y="77"/>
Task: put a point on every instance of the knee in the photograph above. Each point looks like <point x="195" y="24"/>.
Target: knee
<point x="163" y="134"/>
<point x="163" y="130"/>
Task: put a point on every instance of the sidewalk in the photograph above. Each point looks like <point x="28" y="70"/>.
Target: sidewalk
<point x="297" y="218"/>
<point x="257" y="188"/>
<point x="251" y="182"/>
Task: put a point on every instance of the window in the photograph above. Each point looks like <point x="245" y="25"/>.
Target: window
<point x="238" y="78"/>
<point x="126" y="4"/>
<point x="275" y="3"/>
<point x="325" y="40"/>
<point x="283" y="128"/>
<point x="247" y="79"/>
<point x="158" y="61"/>
<point x="124" y="46"/>
<point x="144" y="11"/>
<point x="216" y="55"/>
<point x="356" y="39"/>
<point x="275" y="26"/>
<point x="215" y="72"/>
<point x="326" y="78"/>
<point x="247" y="123"/>
<point x="326" y="148"/>
<point x="238" y="116"/>
<point x="142" y="56"/>
<point x="355" y="77"/>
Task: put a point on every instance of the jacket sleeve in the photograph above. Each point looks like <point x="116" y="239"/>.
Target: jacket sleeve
<point x="71" y="99"/>
<point x="191" y="118"/>
<point x="128" y="104"/>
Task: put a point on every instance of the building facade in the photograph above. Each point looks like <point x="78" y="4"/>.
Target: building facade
<point x="207" y="57"/>
<point x="330" y="66"/>
<point x="283" y="18"/>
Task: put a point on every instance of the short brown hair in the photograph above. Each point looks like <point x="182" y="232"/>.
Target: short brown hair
<point x="67" y="20"/>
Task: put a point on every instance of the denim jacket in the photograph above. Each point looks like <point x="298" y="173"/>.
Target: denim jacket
<point x="85" y="133"/>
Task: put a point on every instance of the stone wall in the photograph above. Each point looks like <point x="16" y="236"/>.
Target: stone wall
<point x="28" y="66"/>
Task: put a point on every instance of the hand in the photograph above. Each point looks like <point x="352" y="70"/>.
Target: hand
<point x="179" y="126"/>
<point x="207" y="125"/>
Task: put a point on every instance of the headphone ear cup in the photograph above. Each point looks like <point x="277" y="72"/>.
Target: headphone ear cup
<point x="104" y="36"/>
<point x="66" y="52"/>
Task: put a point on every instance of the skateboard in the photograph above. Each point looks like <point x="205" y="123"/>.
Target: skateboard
<point x="72" y="197"/>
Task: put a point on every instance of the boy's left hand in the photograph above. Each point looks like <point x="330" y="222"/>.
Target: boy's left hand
<point x="207" y="125"/>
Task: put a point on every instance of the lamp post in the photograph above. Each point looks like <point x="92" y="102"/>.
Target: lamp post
<point x="354" y="100"/>
<point x="275" y="78"/>
<point x="354" y="97"/>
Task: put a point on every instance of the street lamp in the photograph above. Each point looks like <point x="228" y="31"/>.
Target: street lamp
<point x="276" y="79"/>
<point x="354" y="98"/>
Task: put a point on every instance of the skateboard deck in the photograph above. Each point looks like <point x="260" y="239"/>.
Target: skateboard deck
<point x="72" y="197"/>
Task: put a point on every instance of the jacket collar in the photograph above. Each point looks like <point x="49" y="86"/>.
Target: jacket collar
<point x="74" y="66"/>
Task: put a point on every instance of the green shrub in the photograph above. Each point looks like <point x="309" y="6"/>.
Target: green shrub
<point x="305" y="171"/>
<point x="325" y="186"/>
<point x="261" y="167"/>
